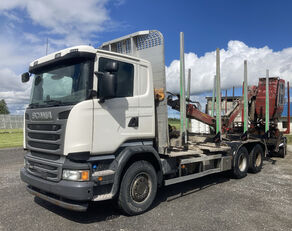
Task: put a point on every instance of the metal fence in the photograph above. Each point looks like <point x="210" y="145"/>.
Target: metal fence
<point x="11" y="121"/>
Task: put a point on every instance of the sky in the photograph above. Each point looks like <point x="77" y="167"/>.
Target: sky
<point x="255" y="30"/>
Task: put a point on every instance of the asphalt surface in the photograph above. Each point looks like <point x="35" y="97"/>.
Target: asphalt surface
<point x="260" y="201"/>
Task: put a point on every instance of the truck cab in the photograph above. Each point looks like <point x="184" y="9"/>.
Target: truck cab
<point x="90" y="110"/>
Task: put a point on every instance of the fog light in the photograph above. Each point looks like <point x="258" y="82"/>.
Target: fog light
<point x="76" y="175"/>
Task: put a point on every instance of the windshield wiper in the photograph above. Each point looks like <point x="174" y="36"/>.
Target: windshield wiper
<point x="34" y="105"/>
<point x="54" y="102"/>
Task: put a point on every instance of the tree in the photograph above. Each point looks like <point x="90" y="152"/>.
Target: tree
<point x="3" y="107"/>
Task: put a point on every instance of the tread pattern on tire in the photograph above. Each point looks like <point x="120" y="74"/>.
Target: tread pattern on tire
<point x="252" y="164"/>
<point x="236" y="171"/>
<point x="125" y="202"/>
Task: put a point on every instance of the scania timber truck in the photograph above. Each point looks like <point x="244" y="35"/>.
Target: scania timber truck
<point x="97" y="129"/>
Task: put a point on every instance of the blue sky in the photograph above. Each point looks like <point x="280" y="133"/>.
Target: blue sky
<point x="259" y="31"/>
<point x="208" y="24"/>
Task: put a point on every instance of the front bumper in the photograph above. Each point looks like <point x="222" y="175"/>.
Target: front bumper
<point x="72" y="190"/>
<point x="72" y="205"/>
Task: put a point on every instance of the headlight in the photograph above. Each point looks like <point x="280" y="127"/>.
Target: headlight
<point x="76" y="175"/>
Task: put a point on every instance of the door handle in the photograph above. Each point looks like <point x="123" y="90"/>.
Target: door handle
<point x="134" y="122"/>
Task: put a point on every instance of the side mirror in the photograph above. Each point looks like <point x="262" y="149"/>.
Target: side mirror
<point x="107" y="86"/>
<point x="25" y="77"/>
<point x="112" y="66"/>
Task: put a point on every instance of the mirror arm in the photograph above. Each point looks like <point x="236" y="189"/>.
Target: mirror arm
<point x="92" y="94"/>
<point x="98" y="73"/>
<point x="101" y="100"/>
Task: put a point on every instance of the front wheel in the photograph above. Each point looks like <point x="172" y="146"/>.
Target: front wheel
<point x="138" y="188"/>
<point x="240" y="164"/>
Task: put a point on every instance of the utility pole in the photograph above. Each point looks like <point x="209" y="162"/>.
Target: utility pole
<point x="47" y="46"/>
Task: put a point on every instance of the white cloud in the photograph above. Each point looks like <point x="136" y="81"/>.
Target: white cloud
<point x="11" y="16"/>
<point x="82" y="18"/>
<point x="32" y="38"/>
<point x="203" y="68"/>
<point x="15" y="93"/>
<point x="16" y="54"/>
<point x="9" y="80"/>
<point x="15" y="57"/>
<point x="75" y="22"/>
<point x="65" y="23"/>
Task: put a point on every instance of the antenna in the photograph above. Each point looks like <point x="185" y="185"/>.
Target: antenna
<point x="47" y="46"/>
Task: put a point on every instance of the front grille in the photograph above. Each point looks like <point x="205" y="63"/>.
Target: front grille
<point x="44" y="127"/>
<point x="45" y="137"/>
<point x="43" y="145"/>
<point x="45" y="155"/>
<point x="44" y="169"/>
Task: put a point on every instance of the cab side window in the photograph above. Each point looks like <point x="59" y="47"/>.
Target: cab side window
<point x="125" y="77"/>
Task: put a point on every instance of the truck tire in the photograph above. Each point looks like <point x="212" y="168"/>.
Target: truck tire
<point x="240" y="165"/>
<point x="138" y="188"/>
<point x="283" y="150"/>
<point x="256" y="159"/>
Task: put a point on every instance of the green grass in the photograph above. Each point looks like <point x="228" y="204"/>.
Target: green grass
<point x="289" y="139"/>
<point x="174" y="122"/>
<point x="11" y="138"/>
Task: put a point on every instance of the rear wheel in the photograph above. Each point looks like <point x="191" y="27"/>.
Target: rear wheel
<point x="138" y="188"/>
<point x="240" y="165"/>
<point x="256" y="159"/>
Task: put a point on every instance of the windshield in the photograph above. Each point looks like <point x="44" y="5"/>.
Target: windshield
<point x="62" y="85"/>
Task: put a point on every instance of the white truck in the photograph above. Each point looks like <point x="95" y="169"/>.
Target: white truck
<point x="97" y="128"/>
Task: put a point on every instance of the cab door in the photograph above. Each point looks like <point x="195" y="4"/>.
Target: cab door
<point x="116" y="120"/>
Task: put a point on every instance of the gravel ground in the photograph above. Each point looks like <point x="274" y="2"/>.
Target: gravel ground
<point x="257" y="202"/>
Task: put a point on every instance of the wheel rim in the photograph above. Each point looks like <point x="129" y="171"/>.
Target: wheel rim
<point x="258" y="159"/>
<point x="141" y="187"/>
<point x="242" y="162"/>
